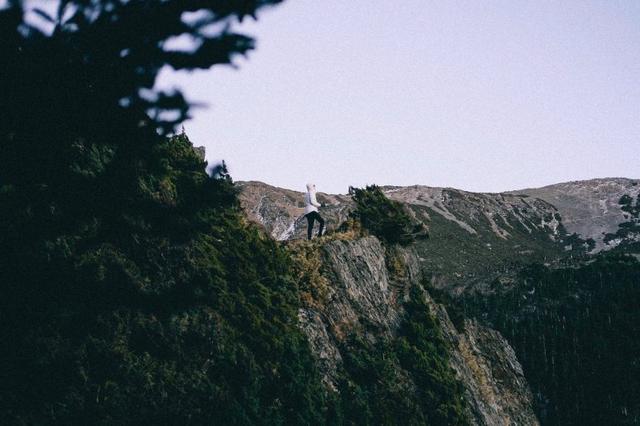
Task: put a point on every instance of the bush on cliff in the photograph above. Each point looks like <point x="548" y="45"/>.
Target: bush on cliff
<point x="387" y="219"/>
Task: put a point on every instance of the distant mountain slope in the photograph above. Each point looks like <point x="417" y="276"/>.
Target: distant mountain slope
<point x="473" y="235"/>
<point x="281" y="211"/>
<point x="590" y="208"/>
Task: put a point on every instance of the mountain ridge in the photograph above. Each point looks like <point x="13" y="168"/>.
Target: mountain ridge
<point x="588" y="208"/>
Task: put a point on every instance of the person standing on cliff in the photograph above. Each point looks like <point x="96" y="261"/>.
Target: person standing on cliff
<point x="311" y="210"/>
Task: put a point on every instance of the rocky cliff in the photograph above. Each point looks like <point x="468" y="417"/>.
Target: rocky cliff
<point x="364" y="297"/>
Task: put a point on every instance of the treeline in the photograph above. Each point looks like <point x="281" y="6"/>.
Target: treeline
<point x="575" y="331"/>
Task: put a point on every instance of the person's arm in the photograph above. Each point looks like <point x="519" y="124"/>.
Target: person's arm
<point x="314" y="201"/>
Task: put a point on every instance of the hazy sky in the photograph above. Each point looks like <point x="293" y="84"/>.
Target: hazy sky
<point x="477" y="95"/>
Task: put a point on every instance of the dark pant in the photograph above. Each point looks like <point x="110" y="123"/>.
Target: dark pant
<point x="311" y="217"/>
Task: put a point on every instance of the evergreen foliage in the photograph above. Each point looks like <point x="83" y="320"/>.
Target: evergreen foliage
<point x="89" y="68"/>
<point x="133" y="290"/>
<point x="406" y="380"/>
<point x="423" y="352"/>
<point x="575" y="331"/>
<point x="387" y="219"/>
<point x="151" y="302"/>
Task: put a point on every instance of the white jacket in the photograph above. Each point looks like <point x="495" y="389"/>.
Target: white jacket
<point x="310" y="202"/>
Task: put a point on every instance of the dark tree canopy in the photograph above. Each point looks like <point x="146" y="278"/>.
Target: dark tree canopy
<point x="133" y="291"/>
<point x="87" y="72"/>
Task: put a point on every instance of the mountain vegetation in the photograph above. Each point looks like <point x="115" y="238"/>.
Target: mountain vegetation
<point x="388" y="220"/>
<point x="627" y="236"/>
<point x="407" y="380"/>
<point x="152" y="299"/>
<point x="575" y="332"/>
<point x="151" y="302"/>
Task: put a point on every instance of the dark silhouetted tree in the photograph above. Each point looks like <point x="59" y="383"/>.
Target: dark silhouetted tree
<point x="86" y="73"/>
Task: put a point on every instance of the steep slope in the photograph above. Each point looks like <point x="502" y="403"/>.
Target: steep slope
<point x="590" y="208"/>
<point x="151" y="300"/>
<point x="364" y="301"/>
<point x="135" y="293"/>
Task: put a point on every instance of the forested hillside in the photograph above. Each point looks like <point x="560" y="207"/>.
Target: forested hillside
<point x="576" y="330"/>
<point x="140" y="295"/>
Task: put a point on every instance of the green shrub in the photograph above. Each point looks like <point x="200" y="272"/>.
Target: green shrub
<point x="387" y="219"/>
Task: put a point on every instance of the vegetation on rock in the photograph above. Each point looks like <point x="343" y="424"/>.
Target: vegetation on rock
<point x="627" y="237"/>
<point x="405" y="380"/>
<point x="388" y="220"/>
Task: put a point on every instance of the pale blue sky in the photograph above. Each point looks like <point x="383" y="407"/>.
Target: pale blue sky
<point x="477" y="95"/>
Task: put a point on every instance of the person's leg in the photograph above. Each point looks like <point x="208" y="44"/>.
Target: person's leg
<point x="321" y="221"/>
<point x="310" y="219"/>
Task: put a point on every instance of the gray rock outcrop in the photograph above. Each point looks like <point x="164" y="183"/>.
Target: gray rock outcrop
<point x="364" y="297"/>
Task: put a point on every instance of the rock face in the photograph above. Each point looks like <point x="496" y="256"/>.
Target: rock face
<point x="366" y="298"/>
<point x="360" y="294"/>
<point x="589" y="208"/>
<point x="474" y="211"/>
<point x="496" y="391"/>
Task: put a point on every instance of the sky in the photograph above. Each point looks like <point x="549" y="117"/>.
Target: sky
<point x="483" y="96"/>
